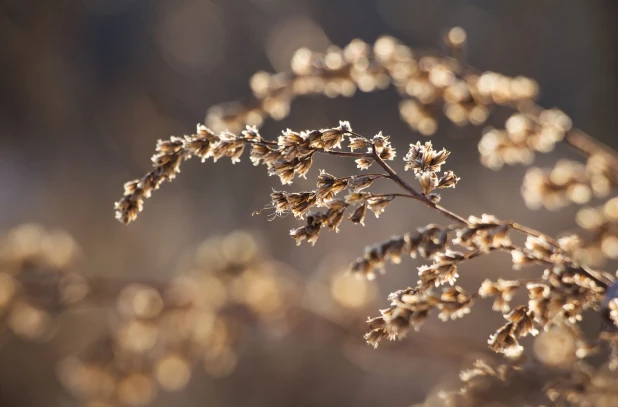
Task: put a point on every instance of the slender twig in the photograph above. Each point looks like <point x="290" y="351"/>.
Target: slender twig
<point x="395" y="194"/>
<point x="317" y="150"/>
<point x="531" y="232"/>
<point x="343" y="153"/>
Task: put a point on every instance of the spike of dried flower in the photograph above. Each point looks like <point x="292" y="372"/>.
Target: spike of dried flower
<point x="289" y="156"/>
<point x="410" y="308"/>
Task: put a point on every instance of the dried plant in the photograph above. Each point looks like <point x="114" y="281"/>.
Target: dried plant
<point x="428" y="82"/>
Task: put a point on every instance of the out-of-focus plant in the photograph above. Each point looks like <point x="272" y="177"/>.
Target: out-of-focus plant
<point x="163" y="329"/>
<point x="159" y="331"/>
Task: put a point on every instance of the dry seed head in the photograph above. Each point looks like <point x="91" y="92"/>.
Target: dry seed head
<point x="423" y="158"/>
<point x="332" y="138"/>
<point x="378" y="203"/>
<point x="428" y="181"/>
<point x="539" y="247"/>
<point x="359" y="143"/>
<point x="329" y="186"/>
<point x="310" y="232"/>
<point x="437" y="274"/>
<point x="280" y="202"/>
<point x="383" y="147"/>
<point x="362" y="267"/>
<point x="502" y="291"/>
<point x="484" y="234"/>
<point x="454" y="303"/>
<point x="519" y="259"/>
<point x="300" y="202"/>
<point x="523" y="321"/>
<point x="335" y="212"/>
<point x="390" y="250"/>
<point x="358" y="216"/>
<point x="357" y="197"/>
<point x="504" y="342"/>
<point x="360" y="182"/>
<point x="448" y="180"/>
<point x="365" y="162"/>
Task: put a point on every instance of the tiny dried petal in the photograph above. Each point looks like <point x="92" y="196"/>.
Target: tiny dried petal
<point x="378" y="204"/>
<point x="358" y="216"/>
<point x="448" y="180"/>
<point x="428" y="181"/>
<point x="359" y="143"/>
<point x="360" y="182"/>
<point x="364" y="162"/>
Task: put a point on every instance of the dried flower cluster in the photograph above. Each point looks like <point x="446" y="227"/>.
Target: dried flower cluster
<point x="410" y="308"/>
<point x="291" y="155"/>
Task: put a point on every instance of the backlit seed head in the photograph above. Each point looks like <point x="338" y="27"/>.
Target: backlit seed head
<point x="358" y="216"/>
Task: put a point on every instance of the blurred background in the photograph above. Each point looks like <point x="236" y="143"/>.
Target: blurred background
<point x="87" y="87"/>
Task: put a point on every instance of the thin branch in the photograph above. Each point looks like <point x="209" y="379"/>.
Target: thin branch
<point x="531" y="232"/>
